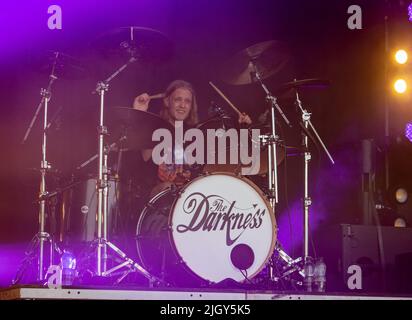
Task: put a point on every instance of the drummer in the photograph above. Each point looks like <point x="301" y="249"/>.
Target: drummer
<point x="179" y="104"/>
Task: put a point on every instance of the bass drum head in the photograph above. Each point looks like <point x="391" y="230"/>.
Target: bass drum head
<point x="223" y="227"/>
<point x="216" y="227"/>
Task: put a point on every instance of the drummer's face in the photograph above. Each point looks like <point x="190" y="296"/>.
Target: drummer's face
<point x="179" y="104"/>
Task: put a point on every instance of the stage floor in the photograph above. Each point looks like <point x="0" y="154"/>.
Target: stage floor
<point x="30" y="293"/>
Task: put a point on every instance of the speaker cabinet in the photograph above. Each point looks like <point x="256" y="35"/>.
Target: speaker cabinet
<point x="383" y="254"/>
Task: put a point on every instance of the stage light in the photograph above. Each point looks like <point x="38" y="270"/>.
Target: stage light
<point x="399" y="223"/>
<point x="410" y="12"/>
<point x="408" y="131"/>
<point x="400" y="86"/>
<point x="401" y="56"/>
<point x="401" y="195"/>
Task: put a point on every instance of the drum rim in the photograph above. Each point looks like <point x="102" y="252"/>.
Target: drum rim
<point x="169" y="235"/>
<point x="140" y="221"/>
<point x="262" y="195"/>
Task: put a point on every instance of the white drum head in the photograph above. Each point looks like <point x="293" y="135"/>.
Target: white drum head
<point x="221" y="224"/>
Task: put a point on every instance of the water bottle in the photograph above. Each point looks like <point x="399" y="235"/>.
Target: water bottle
<point x="308" y="270"/>
<point x="320" y="275"/>
<point x="68" y="265"/>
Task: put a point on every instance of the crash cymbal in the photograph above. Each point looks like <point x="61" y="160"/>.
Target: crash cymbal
<point x="267" y="57"/>
<point x="136" y="126"/>
<point x="65" y="66"/>
<point x="142" y="43"/>
<point x="304" y="84"/>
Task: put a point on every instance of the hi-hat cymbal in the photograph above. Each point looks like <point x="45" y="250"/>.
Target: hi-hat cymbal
<point x="142" y="43"/>
<point x="304" y="84"/>
<point x="267" y="58"/>
<point x="136" y="126"/>
<point x="65" y="66"/>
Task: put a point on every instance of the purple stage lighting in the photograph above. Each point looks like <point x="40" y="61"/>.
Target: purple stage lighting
<point x="410" y="12"/>
<point x="408" y="131"/>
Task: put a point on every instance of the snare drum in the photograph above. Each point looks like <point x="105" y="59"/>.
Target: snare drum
<point x="217" y="227"/>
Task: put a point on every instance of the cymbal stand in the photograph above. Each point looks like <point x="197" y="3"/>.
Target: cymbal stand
<point x="307" y="201"/>
<point x="102" y="242"/>
<point x="38" y="242"/>
<point x="272" y="140"/>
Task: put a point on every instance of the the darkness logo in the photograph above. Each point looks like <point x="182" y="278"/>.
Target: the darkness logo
<point x="215" y="213"/>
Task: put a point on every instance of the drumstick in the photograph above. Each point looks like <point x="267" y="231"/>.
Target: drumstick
<point x="157" y="96"/>
<point x="224" y="97"/>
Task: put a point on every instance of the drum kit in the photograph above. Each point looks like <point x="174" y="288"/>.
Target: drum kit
<point x="218" y="226"/>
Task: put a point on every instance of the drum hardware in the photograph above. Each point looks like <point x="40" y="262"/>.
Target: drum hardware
<point x="215" y="110"/>
<point x="39" y="240"/>
<point x="304" y="265"/>
<point x="175" y="191"/>
<point x="67" y="67"/>
<point x="58" y="191"/>
<point x="251" y="65"/>
<point x="115" y="146"/>
<point x="136" y="128"/>
<point x="248" y="66"/>
<point x="136" y="41"/>
<point x="307" y="201"/>
<point x="271" y="140"/>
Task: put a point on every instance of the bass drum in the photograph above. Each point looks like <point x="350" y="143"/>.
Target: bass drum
<point x="217" y="227"/>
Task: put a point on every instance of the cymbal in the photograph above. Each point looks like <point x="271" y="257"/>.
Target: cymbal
<point x="142" y="43"/>
<point x="65" y="66"/>
<point x="136" y="126"/>
<point x="267" y="58"/>
<point x="304" y="84"/>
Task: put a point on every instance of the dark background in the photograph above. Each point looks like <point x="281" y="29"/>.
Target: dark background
<point x="205" y="35"/>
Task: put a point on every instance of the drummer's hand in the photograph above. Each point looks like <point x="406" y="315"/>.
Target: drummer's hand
<point x="141" y="102"/>
<point x="244" y="119"/>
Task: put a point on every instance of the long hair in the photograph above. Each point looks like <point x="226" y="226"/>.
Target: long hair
<point x="193" y="117"/>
